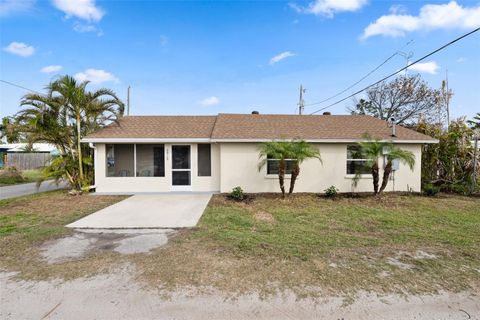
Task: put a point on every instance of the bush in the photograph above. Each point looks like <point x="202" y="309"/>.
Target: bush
<point x="431" y="190"/>
<point x="11" y="176"/>
<point x="237" y="194"/>
<point x="331" y="192"/>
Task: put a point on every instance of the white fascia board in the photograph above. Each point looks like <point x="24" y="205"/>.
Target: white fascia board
<point x="328" y="140"/>
<point x="208" y="140"/>
<point x="145" y="140"/>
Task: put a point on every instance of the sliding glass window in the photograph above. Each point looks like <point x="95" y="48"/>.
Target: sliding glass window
<point x="120" y="160"/>
<point x="150" y="160"/>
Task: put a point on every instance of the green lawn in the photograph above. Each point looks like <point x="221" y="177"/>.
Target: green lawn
<point x="311" y="245"/>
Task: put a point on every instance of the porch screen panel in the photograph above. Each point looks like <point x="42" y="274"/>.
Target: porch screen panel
<point x="120" y="160"/>
<point x="150" y="160"/>
<point x="204" y="160"/>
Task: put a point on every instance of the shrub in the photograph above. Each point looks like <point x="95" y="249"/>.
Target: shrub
<point x="331" y="192"/>
<point x="430" y="190"/>
<point x="237" y="194"/>
<point x="11" y="176"/>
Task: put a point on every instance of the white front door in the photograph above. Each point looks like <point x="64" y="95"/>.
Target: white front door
<point x="181" y="168"/>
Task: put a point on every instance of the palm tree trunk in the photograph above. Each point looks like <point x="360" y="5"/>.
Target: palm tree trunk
<point x="293" y="178"/>
<point x="386" y="175"/>
<point x="281" y="176"/>
<point x="79" y="146"/>
<point x="375" y="176"/>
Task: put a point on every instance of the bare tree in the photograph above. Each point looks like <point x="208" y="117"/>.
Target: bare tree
<point x="406" y="98"/>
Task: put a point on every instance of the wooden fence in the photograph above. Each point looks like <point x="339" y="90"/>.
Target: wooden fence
<point x="27" y="161"/>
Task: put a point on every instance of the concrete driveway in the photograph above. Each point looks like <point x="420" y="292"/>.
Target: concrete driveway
<point x="149" y="211"/>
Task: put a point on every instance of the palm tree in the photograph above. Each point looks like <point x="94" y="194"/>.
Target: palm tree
<point x="373" y="149"/>
<point x="394" y="153"/>
<point x="300" y="151"/>
<point x="65" y="114"/>
<point x="276" y="150"/>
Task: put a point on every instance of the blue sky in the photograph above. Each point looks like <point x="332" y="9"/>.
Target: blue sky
<point x="205" y="57"/>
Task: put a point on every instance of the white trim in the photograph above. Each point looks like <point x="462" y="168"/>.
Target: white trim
<point x="208" y="140"/>
<point x="329" y="140"/>
<point x="146" y="140"/>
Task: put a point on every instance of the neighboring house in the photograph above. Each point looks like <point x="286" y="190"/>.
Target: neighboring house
<point x="218" y="153"/>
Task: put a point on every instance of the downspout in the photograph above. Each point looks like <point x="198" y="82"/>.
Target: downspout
<point x="92" y="146"/>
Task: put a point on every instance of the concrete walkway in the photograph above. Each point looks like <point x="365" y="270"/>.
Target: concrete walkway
<point x="29" y="188"/>
<point x="149" y="211"/>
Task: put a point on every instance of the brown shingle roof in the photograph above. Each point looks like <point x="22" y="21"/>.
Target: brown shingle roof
<point x="158" y="127"/>
<point x="254" y="127"/>
<point x="308" y="127"/>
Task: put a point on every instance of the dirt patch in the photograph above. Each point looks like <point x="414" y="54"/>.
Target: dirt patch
<point x="79" y="245"/>
<point x="118" y="296"/>
<point x="264" y="216"/>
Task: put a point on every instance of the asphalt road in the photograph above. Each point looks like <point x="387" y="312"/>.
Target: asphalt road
<point x="29" y="188"/>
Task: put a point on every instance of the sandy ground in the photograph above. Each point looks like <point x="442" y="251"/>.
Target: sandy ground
<point x="118" y="296"/>
<point x="124" y="241"/>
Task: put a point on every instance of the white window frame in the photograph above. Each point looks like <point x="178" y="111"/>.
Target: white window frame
<point x="275" y="175"/>
<point x="351" y="175"/>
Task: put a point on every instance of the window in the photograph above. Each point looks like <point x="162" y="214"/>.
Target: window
<point x="204" y="160"/>
<point x="120" y="160"/>
<point x="272" y="165"/>
<point x="356" y="162"/>
<point x="150" y="160"/>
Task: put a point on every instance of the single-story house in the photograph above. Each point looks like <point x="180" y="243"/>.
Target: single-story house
<point x="217" y="153"/>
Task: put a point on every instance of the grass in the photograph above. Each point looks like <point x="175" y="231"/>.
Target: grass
<point x="26" y="222"/>
<point x="24" y="176"/>
<point x="310" y="245"/>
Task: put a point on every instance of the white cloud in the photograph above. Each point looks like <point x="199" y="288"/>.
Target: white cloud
<point x="82" y="28"/>
<point x="461" y="60"/>
<point x="426" y="67"/>
<point x="51" y="69"/>
<point x="398" y="9"/>
<point x="82" y="9"/>
<point x="20" y="49"/>
<point x="95" y="76"/>
<point x="210" y="101"/>
<point x="431" y="17"/>
<point x="328" y="8"/>
<point x="279" y="57"/>
<point x="8" y="7"/>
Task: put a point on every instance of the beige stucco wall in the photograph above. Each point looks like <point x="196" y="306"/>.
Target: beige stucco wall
<point x="239" y="167"/>
<point x="106" y="184"/>
<point x="236" y="164"/>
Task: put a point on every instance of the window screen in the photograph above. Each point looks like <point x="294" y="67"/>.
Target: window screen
<point x="120" y="160"/>
<point x="204" y="160"/>
<point x="150" y="160"/>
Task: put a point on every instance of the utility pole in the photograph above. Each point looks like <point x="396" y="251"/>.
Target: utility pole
<point x="301" y="102"/>
<point x="128" y="101"/>
<point x="475" y="152"/>
<point x="407" y="56"/>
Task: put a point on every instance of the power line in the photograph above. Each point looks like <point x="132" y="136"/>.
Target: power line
<point x="363" y="78"/>
<point x="404" y="68"/>
<point x="19" y="86"/>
